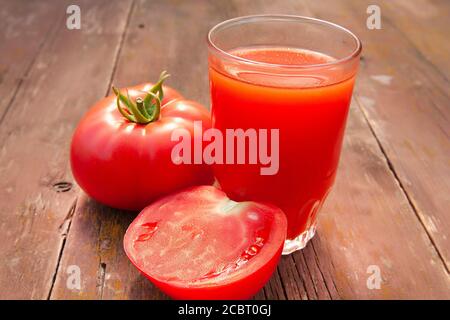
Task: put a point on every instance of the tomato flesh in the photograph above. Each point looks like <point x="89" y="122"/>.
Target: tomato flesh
<point x="198" y="244"/>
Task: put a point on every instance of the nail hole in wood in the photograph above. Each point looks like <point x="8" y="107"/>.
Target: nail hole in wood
<point x="62" y="186"/>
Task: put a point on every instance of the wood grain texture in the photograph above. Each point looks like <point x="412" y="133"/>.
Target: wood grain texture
<point x="427" y="26"/>
<point x="134" y="66"/>
<point x="387" y="208"/>
<point x="316" y="272"/>
<point x="25" y="26"/>
<point x="406" y="102"/>
<point x="146" y="51"/>
<point x="34" y="136"/>
<point x="424" y="23"/>
<point x="386" y="199"/>
<point x="367" y="221"/>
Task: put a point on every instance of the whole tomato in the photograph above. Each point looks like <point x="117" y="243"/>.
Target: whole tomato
<point x="121" y="150"/>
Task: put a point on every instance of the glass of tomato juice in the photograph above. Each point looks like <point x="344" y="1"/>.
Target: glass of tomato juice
<point x="293" y="74"/>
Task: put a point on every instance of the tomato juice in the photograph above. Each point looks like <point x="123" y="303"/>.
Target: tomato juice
<point x="309" y="109"/>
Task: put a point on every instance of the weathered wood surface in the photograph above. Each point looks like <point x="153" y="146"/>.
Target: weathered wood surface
<point x="25" y="26"/>
<point x="424" y="24"/>
<point x="390" y="203"/>
<point x="34" y="135"/>
<point x="405" y="98"/>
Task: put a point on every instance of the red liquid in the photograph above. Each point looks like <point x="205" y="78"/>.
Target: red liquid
<point x="310" y="112"/>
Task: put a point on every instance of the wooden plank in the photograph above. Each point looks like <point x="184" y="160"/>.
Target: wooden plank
<point x="367" y="221"/>
<point x="156" y="40"/>
<point x="393" y="238"/>
<point x="406" y="103"/>
<point x="425" y="24"/>
<point x="293" y="279"/>
<point x="95" y="246"/>
<point x="190" y="77"/>
<point x="274" y="289"/>
<point x="171" y="35"/>
<point x="25" y="26"/>
<point x="36" y="187"/>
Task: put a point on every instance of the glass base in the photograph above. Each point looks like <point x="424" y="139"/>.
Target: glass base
<point x="298" y="243"/>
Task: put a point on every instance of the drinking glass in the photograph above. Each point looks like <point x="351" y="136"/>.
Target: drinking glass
<point x="292" y="77"/>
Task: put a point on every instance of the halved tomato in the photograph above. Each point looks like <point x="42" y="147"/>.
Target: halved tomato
<point x="199" y="244"/>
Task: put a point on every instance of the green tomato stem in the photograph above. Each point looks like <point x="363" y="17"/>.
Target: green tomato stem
<point x="145" y="110"/>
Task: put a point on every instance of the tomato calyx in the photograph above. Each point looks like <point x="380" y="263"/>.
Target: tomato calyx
<point x="144" y="110"/>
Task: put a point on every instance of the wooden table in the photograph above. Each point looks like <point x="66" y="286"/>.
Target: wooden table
<point x="389" y="209"/>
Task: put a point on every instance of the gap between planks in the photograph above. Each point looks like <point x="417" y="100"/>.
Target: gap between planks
<point x="119" y="50"/>
<point x="65" y="225"/>
<point x="71" y="213"/>
<point x="47" y="37"/>
<point x="64" y="234"/>
<point x="316" y="258"/>
<point x="391" y="167"/>
<point x="321" y="272"/>
<point x="382" y="149"/>
<point x="399" y="182"/>
<point x="428" y="63"/>
<point x="360" y="106"/>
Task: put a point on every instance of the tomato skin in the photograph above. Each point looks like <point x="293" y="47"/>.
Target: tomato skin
<point x="199" y="208"/>
<point x="127" y="165"/>
<point x="244" y="289"/>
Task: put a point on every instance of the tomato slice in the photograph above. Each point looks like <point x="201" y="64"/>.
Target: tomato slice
<point x="199" y="244"/>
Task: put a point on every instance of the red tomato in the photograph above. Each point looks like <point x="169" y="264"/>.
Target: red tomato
<point x="198" y="244"/>
<point x="127" y="165"/>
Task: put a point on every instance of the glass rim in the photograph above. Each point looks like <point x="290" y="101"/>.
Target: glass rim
<point x="280" y="17"/>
